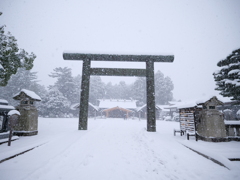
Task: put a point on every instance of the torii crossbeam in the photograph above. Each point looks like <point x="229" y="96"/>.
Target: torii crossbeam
<point x="87" y="71"/>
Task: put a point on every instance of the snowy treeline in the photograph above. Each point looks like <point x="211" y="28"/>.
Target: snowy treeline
<point x="58" y="98"/>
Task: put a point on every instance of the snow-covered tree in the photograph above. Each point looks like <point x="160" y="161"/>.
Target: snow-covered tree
<point x="109" y="91"/>
<point x="77" y="81"/>
<point x="124" y="90"/>
<point x="139" y="90"/>
<point x="54" y="104"/>
<point x="23" y="79"/>
<point x="11" y="57"/>
<point x="163" y="88"/>
<point x="96" y="89"/>
<point x="228" y="77"/>
<point x="65" y="83"/>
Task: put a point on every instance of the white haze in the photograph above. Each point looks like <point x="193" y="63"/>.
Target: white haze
<point x="198" y="33"/>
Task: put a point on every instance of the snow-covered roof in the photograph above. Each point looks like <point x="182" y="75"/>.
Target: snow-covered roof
<point x="95" y="107"/>
<point x="77" y="105"/>
<point x="179" y="105"/>
<point x="28" y="93"/>
<point x="110" y="103"/>
<point x="187" y="105"/>
<point x="141" y="107"/>
<point x="3" y="102"/>
<point x="162" y="107"/>
<point x="6" y="107"/>
<point x="203" y="101"/>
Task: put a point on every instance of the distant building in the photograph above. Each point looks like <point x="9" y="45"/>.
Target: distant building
<point x="117" y="108"/>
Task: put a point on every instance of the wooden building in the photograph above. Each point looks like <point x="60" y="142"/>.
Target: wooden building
<point x="117" y="108"/>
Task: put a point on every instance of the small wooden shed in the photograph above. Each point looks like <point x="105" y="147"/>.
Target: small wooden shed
<point x="187" y="119"/>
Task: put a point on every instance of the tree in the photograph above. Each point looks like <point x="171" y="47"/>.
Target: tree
<point x="163" y="88"/>
<point x="96" y="89"/>
<point x="124" y="90"/>
<point x="65" y="83"/>
<point x="109" y="91"/>
<point x="11" y="57"/>
<point x="139" y="90"/>
<point x="54" y="104"/>
<point x="23" y="79"/>
<point x="77" y="81"/>
<point x="228" y="77"/>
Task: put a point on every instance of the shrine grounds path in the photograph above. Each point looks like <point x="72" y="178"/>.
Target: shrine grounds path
<point x="115" y="149"/>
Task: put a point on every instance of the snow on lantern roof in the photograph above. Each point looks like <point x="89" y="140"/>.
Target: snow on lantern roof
<point x="110" y="103"/>
<point x="12" y="112"/>
<point x="28" y="93"/>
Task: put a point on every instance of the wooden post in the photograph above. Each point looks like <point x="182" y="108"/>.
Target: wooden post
<point x="83" y="112"/>
<point x="151" y="118"/>
<point x="10" y="137"/>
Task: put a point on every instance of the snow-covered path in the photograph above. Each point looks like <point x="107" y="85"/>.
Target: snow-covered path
<point x="111" y="149"/>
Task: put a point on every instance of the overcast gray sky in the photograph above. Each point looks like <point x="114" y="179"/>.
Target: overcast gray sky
<point x="198" y="33"/>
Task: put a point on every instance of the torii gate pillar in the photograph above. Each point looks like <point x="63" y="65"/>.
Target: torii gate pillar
<point x="87" y="71"/>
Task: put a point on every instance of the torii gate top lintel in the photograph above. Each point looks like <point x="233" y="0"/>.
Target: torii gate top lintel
<point x="117" y="57"/>
<point x="88" y="71"/>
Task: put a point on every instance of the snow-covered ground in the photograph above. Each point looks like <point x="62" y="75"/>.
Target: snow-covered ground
<point x="115" y="149"/>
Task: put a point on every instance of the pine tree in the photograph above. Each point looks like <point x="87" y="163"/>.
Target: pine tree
<point x="96" y="89"/>
<point x="77" y="82"/>
<point x="11" y="57"/>
<point x="109" y="91"/>
<point x="163" y="88"/>
<point x="139" y="90"/>
<point x="228" y="77"/>
<point x="65" y="83"/>
<point x="55" y="104"/>
<point x="124" y="90"/>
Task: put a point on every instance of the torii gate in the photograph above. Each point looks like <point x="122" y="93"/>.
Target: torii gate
<point x="87" y="71"/>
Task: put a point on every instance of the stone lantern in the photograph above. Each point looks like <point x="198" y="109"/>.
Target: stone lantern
<point x="28" y="121"/>
<point x="210" y="124"/>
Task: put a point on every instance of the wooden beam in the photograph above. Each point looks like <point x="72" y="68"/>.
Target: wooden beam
<point x="116" y="57"/>
<point x="117" y="72"/>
